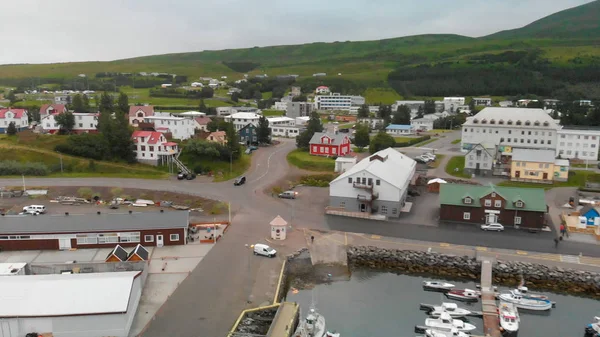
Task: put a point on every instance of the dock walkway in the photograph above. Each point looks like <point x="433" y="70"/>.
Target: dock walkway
<point x="491" y="322"/>
<point x="285" y="321"/>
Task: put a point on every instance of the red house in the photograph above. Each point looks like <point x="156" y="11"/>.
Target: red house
<point x="329" y="144"/>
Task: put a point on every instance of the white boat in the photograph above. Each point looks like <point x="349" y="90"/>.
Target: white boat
<point x="436" y="285"/>
<point x="312" y="326"/>
<point x="525" y="292"/>
<point x="509" y="317"/>
<point x="466" y="295"/>
<point x="446" y="322"/>
<point x="450" y="308"/>
<point x="445" y="333"/>
<point x="332" y="334"/>
<point x="524" y="302"/>
<point x="593" y="329"/>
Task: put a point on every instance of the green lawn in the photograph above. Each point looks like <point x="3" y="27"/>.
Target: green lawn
<point x="425" y="142"/>
<point x="381" y="95"/>
<point x="576" y="179"/>
<point x="221" y="170"/>
<point x="402" y="140"/>
<point x="456" y="141"/>
<point x="455" y="167"/>
<point x="303" y="159"/>
<point x="269" y="113"/>
<point x="143" y="96"/>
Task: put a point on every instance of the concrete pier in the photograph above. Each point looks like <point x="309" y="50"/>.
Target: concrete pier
<point x="491" y="321"/>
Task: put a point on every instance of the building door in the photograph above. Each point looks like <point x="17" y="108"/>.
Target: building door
<point x="64" y="243"/>
<point x="160" y="240"/>
<point x="363" y="207"/>
<point x="545" y="176"/>
<point x="477" y="168"/>
<point x="517" y="174"/>
<point x="491" y="218"/>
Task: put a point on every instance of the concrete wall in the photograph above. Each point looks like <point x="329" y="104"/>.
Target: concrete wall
<point x="353" y="205"/>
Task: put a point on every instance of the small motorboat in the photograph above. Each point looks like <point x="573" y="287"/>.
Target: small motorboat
<point x="437" y="286"/>
<point x="450" y="308"/>
<point x="445" y="333"/>
<point x="525" y="292"/>
<point x="446" y="322"/>
<point x="593" y="329"/>
<point x="525" y="302"/>
<point x="465" y="295"/>
<point x="312" y="326"/>
<point x="509" y="317"/>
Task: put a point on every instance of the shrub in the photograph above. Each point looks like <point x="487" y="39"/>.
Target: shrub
<point x="85" y="192"/>
<point x="14" y="168"/>
<point x="87" y="145"/>
<point x="116" y="192"/>
<point x="317" y="180"/>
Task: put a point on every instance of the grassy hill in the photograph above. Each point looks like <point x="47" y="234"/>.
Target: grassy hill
<point x="567" y="39"/>
<point x="577" y="22"/>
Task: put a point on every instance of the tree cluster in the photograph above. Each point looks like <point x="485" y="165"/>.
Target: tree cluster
<point x="575" y="114"/>
<point x="362" y="136"/>
<point x="381" y="141"/>
<point x="80" y="103"/>
<point x="205" y="92"/>
<point x="314" y="125"/>
<point x="401" y="116"/>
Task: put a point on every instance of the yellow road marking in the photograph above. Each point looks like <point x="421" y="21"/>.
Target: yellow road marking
<point x="481" y="249"/>
<point x="444" y="245"/>
<point x="520" y="252"/>
<point x="376" y="237"/>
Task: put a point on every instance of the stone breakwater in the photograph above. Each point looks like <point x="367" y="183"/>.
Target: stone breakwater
<point x="508" y="273"/>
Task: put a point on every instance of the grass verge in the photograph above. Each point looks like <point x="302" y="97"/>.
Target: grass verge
<point x="438" y="160"/>
<point x="456" y="141"/>
<point x="305" y="161"/>
<point x="456" y="166"/>
<point x="223" y="170"/>
<point x="269" y="113"/>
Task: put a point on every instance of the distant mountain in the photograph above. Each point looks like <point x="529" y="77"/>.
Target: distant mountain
<point x="581" y="22"/>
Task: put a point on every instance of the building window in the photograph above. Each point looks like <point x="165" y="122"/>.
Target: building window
<point x="517" y="220"/>
<point x="384" y="210"/>
<point x="519" y="204"/>
<point x="377" y="182"/>
<point x="174" y="237"/>
<point x="130" y="237"/>
<point x="148" y="238"/>
<point x="466" y="216"/>
<point x="497" y="203"/>
<point x="488" y="202"/>
<point x="468" y="200"/>
<point x="343" y="204"/>
<point x="370" y="182"/>
<point x="394" y="211"/>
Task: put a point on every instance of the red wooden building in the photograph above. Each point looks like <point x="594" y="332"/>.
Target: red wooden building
<point x="329" y="144"/>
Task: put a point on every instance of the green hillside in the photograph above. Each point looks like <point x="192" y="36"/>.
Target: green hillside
<point x="577" y="22"/>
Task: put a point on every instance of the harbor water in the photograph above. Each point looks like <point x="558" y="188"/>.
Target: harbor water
<point x="381" y="304"/>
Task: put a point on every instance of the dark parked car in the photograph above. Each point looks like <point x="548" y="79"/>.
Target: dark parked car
<point x="239" y="181"/>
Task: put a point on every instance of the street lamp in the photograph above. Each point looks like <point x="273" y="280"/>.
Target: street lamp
<point x="231" y="162"/>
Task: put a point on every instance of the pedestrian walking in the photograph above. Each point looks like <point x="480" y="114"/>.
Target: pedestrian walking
<point x="555" y="242"/>
<point x="312" y="239"/>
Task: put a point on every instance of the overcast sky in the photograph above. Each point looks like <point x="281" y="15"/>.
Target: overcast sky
<point x="44" y="31"/>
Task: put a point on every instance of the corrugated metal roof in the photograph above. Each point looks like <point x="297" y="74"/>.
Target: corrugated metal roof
<point x="336" y="138"/>
<point x="82" y="223"/>
<point x="533" y="198"/>
<point x="65" y="294"/>
<point x="535" y="156"/>
<point x="514" y="115"/>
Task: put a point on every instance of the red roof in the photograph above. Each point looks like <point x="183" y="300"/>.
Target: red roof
<point x="153" y="136"/>
<point x="203" y="120"/>
<point x="147" y="109"/>
<point x="18" y="112"/>
<point x="58" y="108"/>
<point x="322" y="87"/>
<point x="170" y="144"/>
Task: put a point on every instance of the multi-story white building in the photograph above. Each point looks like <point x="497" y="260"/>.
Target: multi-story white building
<point x="16" y="116"/>
<point x="510" y="127"/>
<point x="152" y="147"/>
<point x="578" y="143"/>
<point x="336" y="101"/>
<point x="242" y="119"/>
<point x="179" y="127"/>
<point x="84" y="123"/>
<point x="451" y="103"/>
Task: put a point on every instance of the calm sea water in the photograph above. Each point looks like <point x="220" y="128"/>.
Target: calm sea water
<point x="377" y="304"/>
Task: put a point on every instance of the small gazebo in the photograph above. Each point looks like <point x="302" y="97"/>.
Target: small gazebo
<point x="278" y="231"/>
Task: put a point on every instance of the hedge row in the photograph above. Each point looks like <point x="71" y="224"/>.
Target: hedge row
<point x="13" y="168"/>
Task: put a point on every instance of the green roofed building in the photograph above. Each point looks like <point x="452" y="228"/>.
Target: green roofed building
<point x="509" y="206"/>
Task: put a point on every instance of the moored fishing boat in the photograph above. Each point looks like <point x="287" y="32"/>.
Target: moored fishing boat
<point x="524" y="302"/>
<point x="465" y="295"/>
<point x="437" y="286"/>
<point x="450" y="308"/>
<point x="312" y="326"/>
<point x="593" y="329"/>
<point x="446" y="322"/>
<point x="509" y="317"/>
<point x="444" y="333"/>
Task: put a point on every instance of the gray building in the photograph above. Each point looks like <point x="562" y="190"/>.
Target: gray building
<point x="298" y="109"/>
<point x="480" y="160"/>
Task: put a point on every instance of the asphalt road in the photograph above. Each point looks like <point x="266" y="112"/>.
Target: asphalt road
<point x="209" y="300"/>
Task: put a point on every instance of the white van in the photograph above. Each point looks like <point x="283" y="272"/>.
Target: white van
<point x="261" y="249"/>
<point x="31" y="209"/>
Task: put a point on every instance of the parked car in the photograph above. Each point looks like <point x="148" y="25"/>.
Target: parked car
<point x="30" y="212"/>
<point x="492" y="227"/>
<point x="423" y="159"/>
<point x="288" y="195"/>
<point x="264" y="250"/>
<point x="239" y="181"/>
<point x="429" y="155"/>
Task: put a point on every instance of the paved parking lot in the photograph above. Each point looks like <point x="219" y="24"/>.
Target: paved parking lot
<point x="168" y="267"/>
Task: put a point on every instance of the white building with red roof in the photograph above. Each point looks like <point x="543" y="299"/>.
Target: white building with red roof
<point x="48" y="109"/>
<point x="137" y="113"/>
<point x="322" y="90"/>
<point x="152" y="147"/>
<point x="17" y="116"/>
<point x="84" y="123"/>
